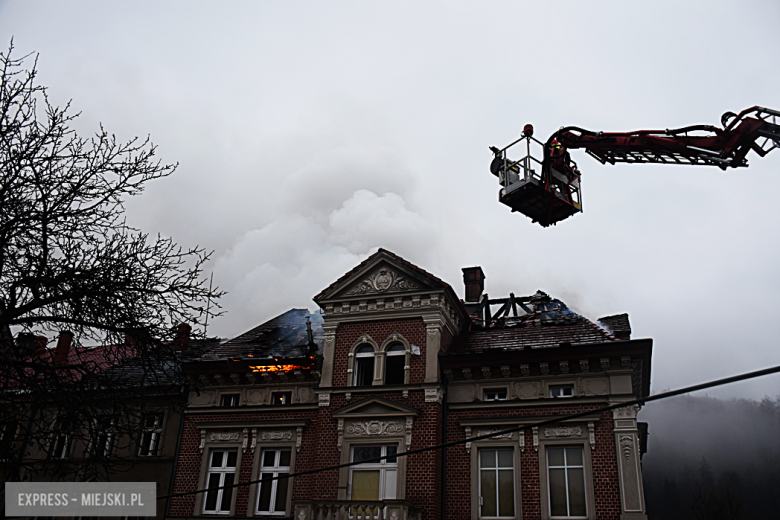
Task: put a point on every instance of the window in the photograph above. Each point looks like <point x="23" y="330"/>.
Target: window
<point x="281" y="398"/>
<point x="60" y="443"/>
<point x="151" y="435"/>
<point x="364" y="366"/>
<point x="105" y="428"/>
<point x="496" y="484"/>
<point x="8" y="432"/>
<point x="395" y="361"/>
<point x="566" y="483"/>
<point x="228" y="400"/>
<point x="495" y="394"/>
<point x="272" y="495"/>
<point x="561" y="390"/>
<point x="222" y="471"/>
<point x="375" y="480"/>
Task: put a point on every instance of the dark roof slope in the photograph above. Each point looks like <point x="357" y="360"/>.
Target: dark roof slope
<point x="549" y="324"/>
<point x="161" y="372"/>
<point x="282" y="337"/>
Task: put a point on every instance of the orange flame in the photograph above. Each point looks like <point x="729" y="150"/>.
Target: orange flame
<point x="276" y="368"/>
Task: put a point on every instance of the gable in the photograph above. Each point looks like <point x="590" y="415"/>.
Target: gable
<point x="381" y="275"/>
<point x="384" y="278"/>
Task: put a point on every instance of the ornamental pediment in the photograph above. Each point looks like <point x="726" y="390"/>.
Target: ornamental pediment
<point x="375" y="406"/>
<point x="379" y="279"/>
<point x="384" y="279"/>
<point x="377" y="417"/>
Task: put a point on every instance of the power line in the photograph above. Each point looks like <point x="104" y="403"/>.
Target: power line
<point x="558" y="419"/>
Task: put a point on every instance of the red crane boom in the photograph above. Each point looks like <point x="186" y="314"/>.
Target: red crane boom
<point x="554" y="193"/>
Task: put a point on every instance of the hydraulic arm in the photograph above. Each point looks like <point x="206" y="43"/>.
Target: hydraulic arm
<point x="553" y="194"/>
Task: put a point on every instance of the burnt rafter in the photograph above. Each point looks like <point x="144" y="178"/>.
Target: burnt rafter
<point x="515" y="309"/>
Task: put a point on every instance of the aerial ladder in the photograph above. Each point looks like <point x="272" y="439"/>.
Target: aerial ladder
<point x="548" y="190"/>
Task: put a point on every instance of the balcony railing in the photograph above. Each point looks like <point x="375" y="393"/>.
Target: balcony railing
<point x="355" y="510"/>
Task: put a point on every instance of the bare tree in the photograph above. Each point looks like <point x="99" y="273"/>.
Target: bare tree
<point x="69" y="261"/>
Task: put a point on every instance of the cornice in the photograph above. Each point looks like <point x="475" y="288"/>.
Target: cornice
<point x="212" y="425"/>
<point x="251" y="409"/>
<point x="527" y="403"/>
<point x="402" y="307"/>
<point x="527" y="419"/>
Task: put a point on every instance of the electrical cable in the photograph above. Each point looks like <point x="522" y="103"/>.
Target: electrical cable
<point x="554" y="420"/>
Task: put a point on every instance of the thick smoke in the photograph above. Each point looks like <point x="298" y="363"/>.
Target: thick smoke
<point x="333" y="211"/>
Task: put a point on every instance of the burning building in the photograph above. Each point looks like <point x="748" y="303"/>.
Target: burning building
<point x="396" y="361"/>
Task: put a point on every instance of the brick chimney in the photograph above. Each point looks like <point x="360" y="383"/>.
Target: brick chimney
<point x="474" y="280"/>
<point x="63" y="347"/>
<point x="182" y="341"/>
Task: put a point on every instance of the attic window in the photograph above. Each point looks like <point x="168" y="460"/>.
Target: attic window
<point x="395" y="361"/>
<point x="281" y="398"/>
<point x="561" y="390"/>
<point x="228" y="400"/>
<point x="495" y="394"/>
<point x="364" y="366"/>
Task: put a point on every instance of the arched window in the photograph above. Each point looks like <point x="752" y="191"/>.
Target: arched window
<point x="394" y="365"/>
<point x="364" y="366"/>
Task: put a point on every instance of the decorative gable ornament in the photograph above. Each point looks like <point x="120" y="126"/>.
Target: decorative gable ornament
<point x="383" y="280"/>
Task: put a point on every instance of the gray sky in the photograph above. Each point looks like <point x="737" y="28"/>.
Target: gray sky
<point x="310" y="133"/>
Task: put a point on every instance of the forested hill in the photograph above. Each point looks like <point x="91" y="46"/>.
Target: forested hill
<point x="712" y="459"/>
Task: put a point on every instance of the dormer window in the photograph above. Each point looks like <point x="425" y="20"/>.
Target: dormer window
<point x="364" y="366"/>
<point x="395" y="361"/>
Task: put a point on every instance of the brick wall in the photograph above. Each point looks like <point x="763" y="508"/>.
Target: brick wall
<point x="604" y="464"/>
<point x="423" y="473"/>
<point x="188" y="469"/>
<point x="413" y="329"/>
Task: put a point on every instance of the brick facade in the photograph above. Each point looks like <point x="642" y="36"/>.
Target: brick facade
<point x="383" y="296"/>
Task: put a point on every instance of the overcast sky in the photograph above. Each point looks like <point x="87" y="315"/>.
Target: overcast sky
<point x="308" y="134"/>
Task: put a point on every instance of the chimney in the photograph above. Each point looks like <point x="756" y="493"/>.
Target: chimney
<point x="182" y="341"/>
<point x="474" y="280"/>
<point x="63" y="347"/>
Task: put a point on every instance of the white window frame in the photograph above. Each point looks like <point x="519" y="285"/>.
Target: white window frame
<point x="288" y="394"/>
<point x="383" y="466"/>
<point x="496" y="469"/>
<point x="565" y="467"/>
<point x="110" y="435"/>
<point x="358" y="369"/>
<point x="393" y="351"/>
<point x="233" y="397"/>
<point x="222" y="471"/>
<point x="563" y="386"/>
<point x="155" y="432"/>
<point x="60" y="428"/>
<point x="275" y="470"/>
<point x="496" y="391"/>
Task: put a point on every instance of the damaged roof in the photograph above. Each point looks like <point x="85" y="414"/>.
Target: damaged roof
<point x="285" y="336"/>
<point x="550" y="323"/>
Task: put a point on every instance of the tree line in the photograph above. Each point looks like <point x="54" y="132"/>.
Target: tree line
<point x="712" y="458"/>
